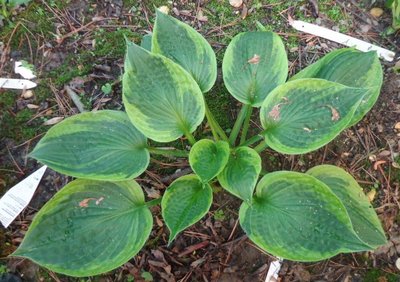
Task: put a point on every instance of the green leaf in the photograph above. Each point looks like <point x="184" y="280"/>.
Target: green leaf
<point x="184" y="203"/>
<point x="162" y="100"/>
<point x="305" y="114"/>
<point x="146" y="42"/>
<point x="185" y="46"/>
<point x="240" y="175"/>
<point x="365" y="222"/>
<point x="254" y="64"/>
<point x="352" y="68"/>
<point x="101" y="145"/>
<point x="16" y="3"/>
<point x="89" y="227"/>
<point x="208" y="158"/>
<point x="295" y="216"/>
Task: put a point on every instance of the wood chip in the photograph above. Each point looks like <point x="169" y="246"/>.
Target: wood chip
<point x="53" y="120"/>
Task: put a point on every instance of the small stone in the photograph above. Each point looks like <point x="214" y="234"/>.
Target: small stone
<point x="365" y="28"/>
<point x="27" y="94"/>
<point x="164" y="9"/>
<point x="32" y="106"/>
<point x="371" y="195"/>
<point x="397" y="126"/>
<point x="398" y="263"/>
<point x="236" y="3"/>
<point x="376" y="12"/>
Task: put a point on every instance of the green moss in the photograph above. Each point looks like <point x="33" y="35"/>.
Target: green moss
<point x="13" y="125"/>
<point x="112" y="44"/>
<point x="220" y="103"/>
<point x="376" y="274"/>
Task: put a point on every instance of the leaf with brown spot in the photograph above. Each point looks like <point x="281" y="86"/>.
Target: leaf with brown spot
<point x="255" y="60"/>
<point x="275" y="112"/>
<point x="85" y="202"/>
<point x="99" y="201"/>
<point x="335" y="113"/>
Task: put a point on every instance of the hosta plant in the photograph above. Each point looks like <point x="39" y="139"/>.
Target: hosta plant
<point x="101" y="220"/>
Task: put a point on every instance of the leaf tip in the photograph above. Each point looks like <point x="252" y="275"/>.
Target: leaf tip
<point x="171" y="238"/>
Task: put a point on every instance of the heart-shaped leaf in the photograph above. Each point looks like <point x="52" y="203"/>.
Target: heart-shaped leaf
<point x="305" y="114"/>
<point x="184" y="203"/>
<point x="240" y="175"/>
<point x="365" y="222"/>
<point x="208" y="158"/>
<point x="162" y="100"/>
<point x="101" y="145"/>
<point x="185" y="46"/>
<point x="297" y="217"/>
<point x="89" y="227"/>
<point x="254" y="64"/>
<point x="352" y="68"/>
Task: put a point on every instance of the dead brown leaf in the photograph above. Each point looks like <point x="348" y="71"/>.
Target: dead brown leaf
<point x="378" y="163"/>
<point x="53" y="120"/>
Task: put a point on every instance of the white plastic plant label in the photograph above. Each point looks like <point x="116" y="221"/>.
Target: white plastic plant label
<point x="19" y="196"/>
<point x="12" y="83"/>
<point x="24" y="69"/>
<point x="341" y="39"/>
<point x="272" y="275"/>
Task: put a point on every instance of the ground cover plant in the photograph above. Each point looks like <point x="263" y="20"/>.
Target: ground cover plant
<point x="99" y="221"/>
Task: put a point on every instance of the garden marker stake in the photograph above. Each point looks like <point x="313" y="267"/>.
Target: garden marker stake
<point x="19" y="196"/>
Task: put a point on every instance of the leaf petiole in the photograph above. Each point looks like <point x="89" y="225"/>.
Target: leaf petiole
<point x="261" y="147"/>
<point x="154" y="202"/>
<point x="216" y="129"/>
<point x="167" y="151"/>
<point x="246" y="125"/>
<point x="238" y="123"/>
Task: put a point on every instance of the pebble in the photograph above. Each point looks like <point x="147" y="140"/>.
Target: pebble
<point x="27" y="94"/>
<point x="376" y="12"/>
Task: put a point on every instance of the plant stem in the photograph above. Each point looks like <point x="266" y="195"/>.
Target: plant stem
<point x="216" y="129"/>
<point x="154" y="202"/>
<point x="168" y="152"/>
<point x="254" y="139"/>
<point x="246" y="125"/>
<point x="190" y="138"/>
<point x="261" y="147"/>
<point x="238" y="124"/>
